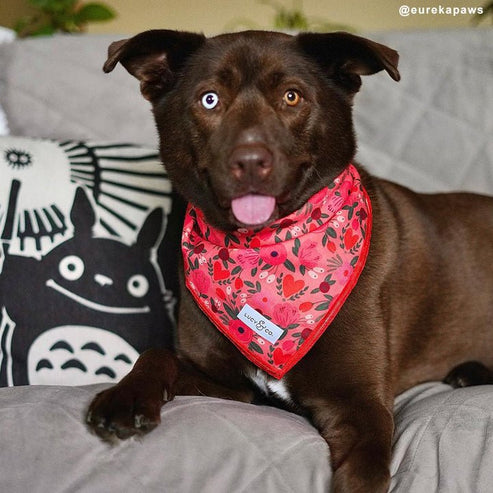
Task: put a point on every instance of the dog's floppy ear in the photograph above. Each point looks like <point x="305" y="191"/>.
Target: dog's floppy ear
<point x="154" y="57"/>
<point x="345" y="57"/>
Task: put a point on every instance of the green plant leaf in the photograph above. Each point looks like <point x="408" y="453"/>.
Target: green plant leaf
<point x="61" y="16"/>
<point x="93" y="12"/>
<point x="43" y="31"/>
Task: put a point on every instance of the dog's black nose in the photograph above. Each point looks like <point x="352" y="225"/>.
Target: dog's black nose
<point x="251" y="162"/>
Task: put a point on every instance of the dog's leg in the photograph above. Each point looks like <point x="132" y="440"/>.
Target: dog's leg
<point x="345" y="383"/>
<point x="133" y="406"/>
<point x="359" y="434"/>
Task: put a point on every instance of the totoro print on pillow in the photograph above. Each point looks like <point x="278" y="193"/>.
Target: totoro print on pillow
<point x="81" y="311"/>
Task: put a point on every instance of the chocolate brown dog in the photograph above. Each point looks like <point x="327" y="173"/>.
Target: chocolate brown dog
<point x="252" y="126"/>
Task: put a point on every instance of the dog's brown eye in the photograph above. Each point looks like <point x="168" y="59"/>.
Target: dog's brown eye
<point x="292" y="98"/>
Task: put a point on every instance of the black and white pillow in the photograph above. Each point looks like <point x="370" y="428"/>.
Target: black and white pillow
<point x="82" y="292"/>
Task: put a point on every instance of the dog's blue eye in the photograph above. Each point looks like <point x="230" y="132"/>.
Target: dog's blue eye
<point x="210" y="100"/>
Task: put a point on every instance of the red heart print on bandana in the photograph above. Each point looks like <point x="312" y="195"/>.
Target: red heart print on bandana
<point x="290" y="286"/>
<point x="219" y="273"/>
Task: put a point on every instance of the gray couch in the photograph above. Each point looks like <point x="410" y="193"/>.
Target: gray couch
<point x="432" y="131"/>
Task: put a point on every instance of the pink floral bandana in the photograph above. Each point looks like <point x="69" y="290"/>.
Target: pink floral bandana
<point x="275" y="291"/>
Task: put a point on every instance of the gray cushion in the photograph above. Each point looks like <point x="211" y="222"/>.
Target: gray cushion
<point x="54" y="87"/>
<point x="432" y="130"/>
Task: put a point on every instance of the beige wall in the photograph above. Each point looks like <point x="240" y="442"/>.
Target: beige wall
<point x="212" y="16"/>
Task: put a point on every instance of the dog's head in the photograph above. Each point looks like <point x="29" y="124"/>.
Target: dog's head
<point x="252" y="124"/>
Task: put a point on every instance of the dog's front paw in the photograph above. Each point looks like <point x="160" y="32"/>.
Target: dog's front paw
<point x="132" y="407"/>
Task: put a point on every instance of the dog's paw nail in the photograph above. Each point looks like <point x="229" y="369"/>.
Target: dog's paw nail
<point x="99" y="423"/>
<point x="144" y="424"/>
<point x="140" y="421"/>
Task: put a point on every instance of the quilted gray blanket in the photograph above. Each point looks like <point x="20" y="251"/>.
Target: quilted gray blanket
<point x="442" y="443"/>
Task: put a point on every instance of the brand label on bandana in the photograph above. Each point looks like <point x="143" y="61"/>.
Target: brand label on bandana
<point x="274" y="292"/>
<point x="261" y="325"/>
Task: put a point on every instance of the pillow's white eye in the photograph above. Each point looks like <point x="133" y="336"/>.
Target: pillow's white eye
<point x="138" y="286"/>
<point x="71" y="267"/>
<point x="210" y="100"/>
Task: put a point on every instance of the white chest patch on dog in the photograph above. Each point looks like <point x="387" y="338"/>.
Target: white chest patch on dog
<point x="269" y="385"/>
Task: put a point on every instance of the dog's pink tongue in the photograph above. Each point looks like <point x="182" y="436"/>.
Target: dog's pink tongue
<point x="253" y="209"/>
